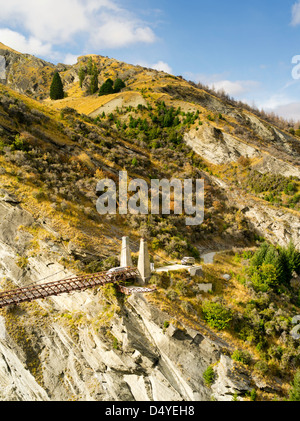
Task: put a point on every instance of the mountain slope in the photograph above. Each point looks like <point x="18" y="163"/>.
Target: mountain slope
<point x="53" y="153"/>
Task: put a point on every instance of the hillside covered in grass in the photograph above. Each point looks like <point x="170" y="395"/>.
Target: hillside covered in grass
<point x="158" y="126"/>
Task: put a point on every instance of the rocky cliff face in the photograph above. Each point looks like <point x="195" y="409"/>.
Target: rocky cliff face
<point x="218" y="147"/>
<point x="25" y="73"/>
<point x="93" y="345"/>
<point x="47" y="354"/>
<point x="277" y="225"/>
<point x="150" y="364"/>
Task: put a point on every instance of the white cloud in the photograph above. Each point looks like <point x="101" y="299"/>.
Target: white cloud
<point x="282" y="105"/>
<point x="52" y="21"/>
<point x="218" y="83"/>
<point x="97" y="23"/>
<point x="18" y="42"/>
<point x="274" y="101"/>
<point x="115" y="32"/>
<point x="290" y="111"/>
<point x="160" y="66"/>
<point x="296" y="14"/>
<point x="70" y="59"/>
<point x="235" y="89"/>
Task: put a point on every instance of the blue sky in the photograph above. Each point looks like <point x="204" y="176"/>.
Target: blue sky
<point x="245" y="48"/>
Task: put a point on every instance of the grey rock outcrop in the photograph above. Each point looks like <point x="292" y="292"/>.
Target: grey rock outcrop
<point x="218" y="147"/>
<point x="230" y="381"/>
<point x="278" y="225"/>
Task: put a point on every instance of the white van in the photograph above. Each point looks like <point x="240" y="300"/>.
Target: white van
<point x="190" y="261"/>
<point x="112" y="273"/>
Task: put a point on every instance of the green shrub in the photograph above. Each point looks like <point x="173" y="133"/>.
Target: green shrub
<point x="18" y="144"/>
<point x="95" y="266"/>
<point x="110" y="263"/>
<point x="115" y="343"/>
<point x="253" y="395"/>
<point x="22" y="262"/>
<point x="273" y="186"/>
<point x="118" y="85"/>
<point x="162" y="280"/>
<point x="166" y="324"/>
<point x="290" y="188"/>
<point x="107" y="87"/>
<point x="216" y="315"/>
<point x="262" y="367"/>
<point x="241" y="356"/>
<point x="172" y="295"/>
<point x="235" y="397"/>
<point x="209" y="376"/>
<point x="294" y="394"/>
<point x="264" y="278"/>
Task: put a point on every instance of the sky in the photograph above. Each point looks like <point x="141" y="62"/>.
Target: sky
<point x="249" y="49"/>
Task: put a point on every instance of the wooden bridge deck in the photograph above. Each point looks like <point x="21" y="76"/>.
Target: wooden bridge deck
<point x="78" y="283"/>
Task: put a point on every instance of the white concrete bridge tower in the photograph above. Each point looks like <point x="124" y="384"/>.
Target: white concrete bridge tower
<point x="125" y="260"/>
<point x="144" y="262"/>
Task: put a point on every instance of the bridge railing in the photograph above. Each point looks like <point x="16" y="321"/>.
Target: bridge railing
<point x="78" y="283"/>
<point x="132" y="290"/>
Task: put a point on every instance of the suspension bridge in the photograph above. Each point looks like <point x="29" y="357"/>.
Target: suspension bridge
<point x="82" y="282"/>
<point x="77" y="283"/>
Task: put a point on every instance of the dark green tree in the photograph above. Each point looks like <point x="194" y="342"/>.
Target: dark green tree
<point x="81" y="75"/>
<point x="293" y="257"/>
<point x="90" y="66"/>
<point x="94" y="86"/>
<point x="119" y="84"/>
<point x="107" y="87"/>
<point x="284" y="267"/>
<point x="258" y="258"/>
<point x="285" y="260"/>
<point x="56" y="88"/>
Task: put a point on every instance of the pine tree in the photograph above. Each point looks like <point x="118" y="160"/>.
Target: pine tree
<point x="56" y="88"/>
<point x="81" y="75"/>
<point x="285" y="266"/>
<point x="258" y="258"/>
<point x="270" y="255"/>
<point x="90" y="66"/>
<point x="297" y="262"/>
<point x="293" y="257"/>
<point x="94" y="80"/>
